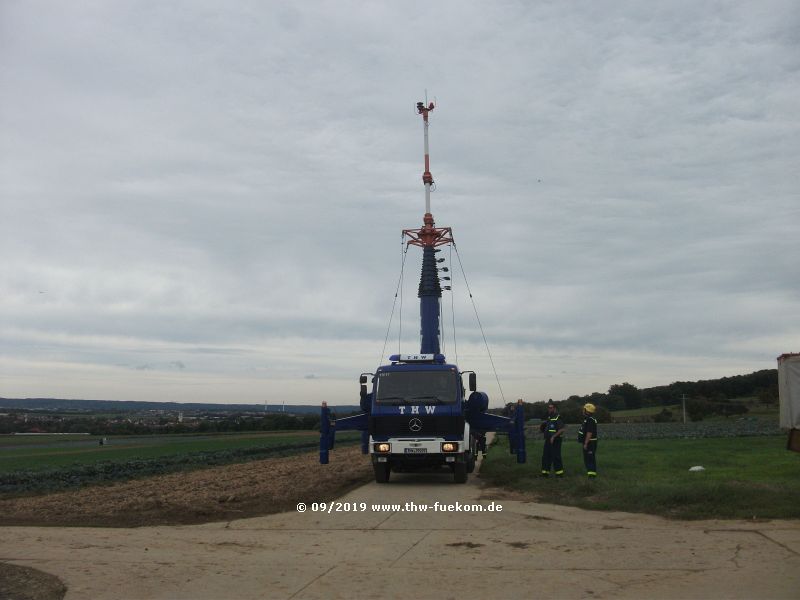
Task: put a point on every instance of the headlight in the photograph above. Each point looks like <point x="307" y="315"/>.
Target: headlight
<point x="382" y="447"/>
<point x="449" y="447"/>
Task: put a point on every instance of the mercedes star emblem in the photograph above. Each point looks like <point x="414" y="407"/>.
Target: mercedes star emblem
<point x="415" y="424"/>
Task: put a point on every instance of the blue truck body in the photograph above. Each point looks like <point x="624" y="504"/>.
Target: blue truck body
<point x="417" y="413"/>
<point x="445" y="427"/>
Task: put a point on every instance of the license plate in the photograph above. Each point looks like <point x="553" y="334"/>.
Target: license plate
<point x="416" y="450"/>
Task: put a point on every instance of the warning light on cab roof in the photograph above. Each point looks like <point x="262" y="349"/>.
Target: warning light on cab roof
<point x="406" y="358"/>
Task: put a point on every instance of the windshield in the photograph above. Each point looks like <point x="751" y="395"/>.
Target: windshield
<point x="416" y="387"/>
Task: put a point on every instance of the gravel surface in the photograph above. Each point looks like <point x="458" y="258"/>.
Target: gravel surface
<point x="389" y="548"/>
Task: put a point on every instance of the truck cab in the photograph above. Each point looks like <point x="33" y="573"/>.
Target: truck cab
<point x="417" y="418"/>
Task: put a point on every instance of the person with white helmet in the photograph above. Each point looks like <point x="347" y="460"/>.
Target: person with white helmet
<point x="587" y="437"/>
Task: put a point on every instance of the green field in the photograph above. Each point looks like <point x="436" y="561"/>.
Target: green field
<point x="37" y="464"/>
<point x="32" y="453"/>
<point x="745" y="478"/>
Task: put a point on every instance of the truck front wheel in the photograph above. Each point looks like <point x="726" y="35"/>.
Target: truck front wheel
<point x="381" y="472"/>
<point x="460" y="472"/>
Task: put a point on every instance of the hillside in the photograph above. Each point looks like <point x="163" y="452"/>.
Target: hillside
<point x="704" y="397"/>
<point x="132" y="406"/>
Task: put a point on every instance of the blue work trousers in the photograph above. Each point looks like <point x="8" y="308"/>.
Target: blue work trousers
<point x="590" y="458"/>
<point x="551" y="456"/>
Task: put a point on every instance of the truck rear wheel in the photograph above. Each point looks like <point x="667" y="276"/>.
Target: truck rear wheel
<point x="460" y="472"/>
<point x="381" y="472"/>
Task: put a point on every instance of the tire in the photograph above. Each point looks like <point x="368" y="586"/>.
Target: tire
<point x="381" y="472"/>
<point x="470" y="463"/>
<point x="460" y="472"/>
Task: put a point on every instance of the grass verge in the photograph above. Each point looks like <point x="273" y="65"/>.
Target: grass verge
<point x="744" y="478"/>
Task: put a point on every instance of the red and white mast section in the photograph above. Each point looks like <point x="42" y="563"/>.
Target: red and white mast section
<point x="428" y="236"/>
<point x="427" y="178"/>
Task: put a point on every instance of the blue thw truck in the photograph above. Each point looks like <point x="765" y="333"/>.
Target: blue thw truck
<point x="417" y="413"/>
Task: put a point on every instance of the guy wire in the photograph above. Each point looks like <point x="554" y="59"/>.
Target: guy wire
<point x="394" y="303"/>
<point x="475" y="308"/>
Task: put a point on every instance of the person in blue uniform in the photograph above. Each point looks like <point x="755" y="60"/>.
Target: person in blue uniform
<point x="553" y="428"/>
<point x="587" y="437"/>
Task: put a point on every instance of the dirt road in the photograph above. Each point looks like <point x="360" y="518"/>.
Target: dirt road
<point x="526" y="550"/>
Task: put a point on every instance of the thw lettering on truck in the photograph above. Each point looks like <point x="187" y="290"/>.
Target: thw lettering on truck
<point x="415" y="410"/>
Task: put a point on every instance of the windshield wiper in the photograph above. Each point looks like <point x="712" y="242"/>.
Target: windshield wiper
<point x="385" y="398"/>
<point x="438" y="400"/>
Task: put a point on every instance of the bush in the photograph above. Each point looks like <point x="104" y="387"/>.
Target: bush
<point x="603" y="415"/>
<point x="698" y="408"/>
<point x="729" y="409"/>
<point x="768" y="395"/>
<point x="665" y="416"/>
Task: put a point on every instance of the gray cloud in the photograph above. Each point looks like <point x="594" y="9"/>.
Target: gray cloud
<point x="223" y="188"/>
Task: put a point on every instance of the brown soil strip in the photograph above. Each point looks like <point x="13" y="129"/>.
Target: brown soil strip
<point x="202" y="496"/>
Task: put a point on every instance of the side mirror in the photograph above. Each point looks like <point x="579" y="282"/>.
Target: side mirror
<point x="363" y="391"/>
<point x="473" y="382"/>
<point x="362" y="379"/>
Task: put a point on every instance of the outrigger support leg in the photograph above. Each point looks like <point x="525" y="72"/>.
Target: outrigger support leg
<point x="328" y="427"/>
<point x="324" y="433"/>
<point x="519" y="427"/>
<point x="516" y="434"/>
<point x="515" y="428"/>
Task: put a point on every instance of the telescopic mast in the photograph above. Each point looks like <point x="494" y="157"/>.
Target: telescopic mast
<point x="428" y="237"/>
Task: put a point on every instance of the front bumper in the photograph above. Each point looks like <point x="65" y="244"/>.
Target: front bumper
<point x="420" y="451"/>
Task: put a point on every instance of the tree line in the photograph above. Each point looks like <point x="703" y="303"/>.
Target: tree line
<point x="31" y="423"/>
<point x="705" y="397"/>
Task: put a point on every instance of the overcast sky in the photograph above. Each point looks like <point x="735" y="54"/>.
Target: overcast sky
<point x="203" y="202"/>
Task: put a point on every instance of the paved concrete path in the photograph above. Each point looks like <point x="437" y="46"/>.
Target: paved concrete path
<point x="528" y="550"/>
